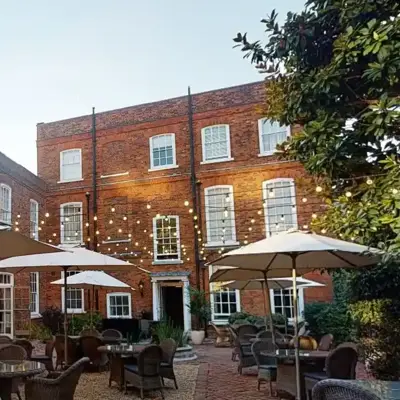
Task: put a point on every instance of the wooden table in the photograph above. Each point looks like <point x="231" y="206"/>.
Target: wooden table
<point x="310" y="361"/>
<point x="118" y="356"/>
<point x="10" y="370"/>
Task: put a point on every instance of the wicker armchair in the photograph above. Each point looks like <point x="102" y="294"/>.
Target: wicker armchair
<point x="112" y="334"/>
<point x="325" y="344"/>
<point x="90" y="332"/>
<point x="146" y="374"/>
<point x="264" y="335"/>
<point x="89" y="346"/>
<point x="59" y="346"/>
<point x="234" y="342"/>
<point x="266" y="365"/>
<point x="56" y="385"/>
<point x="5" y="339"/>
<point x="330" y="389"/>
<point x="168" y="347"/>
<point x="27" y="345"/>
<point x="246" y="358"/>
<point x="47" y="357"/>
<point x="244" y="330"/>
<point x="340" y="364"/>
<point x="223" y="336"/>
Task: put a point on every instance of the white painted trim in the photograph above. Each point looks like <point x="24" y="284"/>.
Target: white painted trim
<point x="36" y="233"/>
<point x="166" y="261"/>
<point x="115" y="175"/>
<point x="7" y="221"/>
<point x="300" y="303"/>
<point x="11" y="287"/>
<point x="232" y="210"/>
<point x="62" y="179"/>
<point x="173" y="165"/>
<point x="72" y="310"/>
<point x="71" y="180"/>
<point x="75" y="204"/>
<point x="163" y="167"/>
<point x="260" y="126"/>
<point x="35" y="312"/>
<point x="228" y="243"/>
<point x="129" y="303"/>
<point x="229" y="153"/>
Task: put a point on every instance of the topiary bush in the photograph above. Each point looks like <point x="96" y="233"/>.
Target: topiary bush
<point x="242" y="317"/>
<point x="78" y="322"/>
<point x="53" y="319"/>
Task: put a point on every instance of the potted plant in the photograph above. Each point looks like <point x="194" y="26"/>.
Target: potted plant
<point x="199" y="307"/>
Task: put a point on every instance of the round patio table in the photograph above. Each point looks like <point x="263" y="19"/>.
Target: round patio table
<point x="10" y="370"/>
<point x="118" y="355"/>
<point x="281" y="343"/>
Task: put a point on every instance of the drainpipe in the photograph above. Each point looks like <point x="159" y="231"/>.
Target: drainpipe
<point x="88" y="219"/>
<point x="193" y="182"/>
<point x="94" y="179"/>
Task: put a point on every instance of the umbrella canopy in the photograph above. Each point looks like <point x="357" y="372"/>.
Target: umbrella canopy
<point x="273" y="283"/>
<point x="14" y="244"/>
<point x="88" y="279"/>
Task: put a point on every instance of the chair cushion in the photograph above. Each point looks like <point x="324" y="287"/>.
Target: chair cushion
<point x="318" y="376"/>
<point x="165" y="364"/>
<point x="132" y="368"/>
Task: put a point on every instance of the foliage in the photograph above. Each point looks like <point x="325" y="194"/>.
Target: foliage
<point x="167" y="330"/>
<point x="247" y="318"/>
<point x="78" y="322"/>
<point x="53" y="319"/>
<point x="199" y="307"/>
<point x="38" y="331"/>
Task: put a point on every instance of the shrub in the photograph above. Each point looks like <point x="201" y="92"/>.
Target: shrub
<point x="53" y="319"/>
<point x="37" y="331"/>
<point x="82" y="321"/>
<point x="167" y="330"/>
<point x="199" y="307"/>
<point x="247" y="318"/>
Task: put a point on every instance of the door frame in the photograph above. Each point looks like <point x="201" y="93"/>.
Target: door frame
<point x="11" y="287"/>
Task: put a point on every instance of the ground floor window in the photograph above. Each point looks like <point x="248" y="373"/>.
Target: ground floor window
<point x="75" y="297"/>
<point x="34" y="292"/>
<point x="6" y="304"/>
<point x="282" y="303"/>
<point x="119" y="305"/>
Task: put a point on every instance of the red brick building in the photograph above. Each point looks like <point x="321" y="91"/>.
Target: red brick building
<point x="169" y="185"/>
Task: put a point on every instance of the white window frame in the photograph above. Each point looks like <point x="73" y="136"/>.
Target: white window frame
<point x="203" y="146"/>
<point x="178" y="241"/>
<point x="109" y="305"/>
<point x="8" y="215"/>
<point x="9" y="285"/>
<point x="220" y="321"/>
<point x="62" y="178"/>
<point x="35" y="234"/>
<point x="261" y="122"/>
<point x="231" y="205"/>
<point x="34" y="312"/>
<point x="79" y="239"/>
<point x="300" y="303"/>
<point x="72" y="310"/>
<point x="291" y="182"/>
<point x="151" y="146"/>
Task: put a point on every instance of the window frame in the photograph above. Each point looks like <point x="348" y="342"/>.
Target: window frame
<point x="35" y="234"/>
<point x="233" y="241"/>
<point x="35" y="312"/>
<point x="265" y="201"/>
<point x="203" y="146"/>
<point x="178" y="242"/>
<point x="7" y="221"/>
<point x="260" y="136"/>
<point x="109" y="305"/>
<point x="151" y="146"/>
<point x="72" y="310"/>
<point x="300" y="303"/>
<point x="62" y="173"/>
<point x="72" y="242"/>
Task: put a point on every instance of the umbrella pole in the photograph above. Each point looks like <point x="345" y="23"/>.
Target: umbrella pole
<point x="267" y="296"/>
<point x="265" y="305"/>
<point x="91" y="312"/>
<point x="65" y="317"/>
<point x="296" y="338"/>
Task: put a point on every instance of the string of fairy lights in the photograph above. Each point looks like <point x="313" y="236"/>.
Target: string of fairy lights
<point x="147" y="232"/>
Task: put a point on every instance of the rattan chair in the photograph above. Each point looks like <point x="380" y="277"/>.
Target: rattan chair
<point x="59" y="346"/>
<point x="5" y="339"/>
<point x="89" y="332"/>
<point x="89" y="346"/>
<point x="146" y="374"/>
<point x="112" y="334"/>
<point x="168" y="347"/>
<point x="331" y="389"/>
<point x="47" y="357"/>
<point x="267" y="366"/>
<point x="56" y="385"/>
<point x="264" y="335"/>
<point x="244" y="330"/>
<point x="234" y="343"/>
<point x="27" y="345"/>
<point x="246" y="358"/>
<point x="13" y="352"/>
<point x="325" y="344"/>
<point x="340" y="364"/>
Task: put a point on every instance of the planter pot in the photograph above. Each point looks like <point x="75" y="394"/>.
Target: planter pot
<point x="197" y="337"/>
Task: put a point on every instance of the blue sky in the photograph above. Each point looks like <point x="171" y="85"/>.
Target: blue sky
<point x="58" y="59"/>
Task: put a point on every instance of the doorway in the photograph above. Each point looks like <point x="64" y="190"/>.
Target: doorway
<point x="6" y="304"/>
<point x="172" y="299"/>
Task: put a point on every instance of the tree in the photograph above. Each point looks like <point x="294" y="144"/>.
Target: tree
<point x="334" y="69"/>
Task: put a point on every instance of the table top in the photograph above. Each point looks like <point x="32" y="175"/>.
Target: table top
<point x="108" y="340"/>
<point x="121" y="348"/>
<point x="385" y="390"/>
<point x="289" y="354"/>
<point x="13" y="369"/>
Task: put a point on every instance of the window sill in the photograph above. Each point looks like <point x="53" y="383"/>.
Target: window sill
<point x="266" y="154"/>
<point x="167" y="262"/>
<point x="217" y="161"/>
<point x="220" y="321"/>
<point x="75" y="311"/>
<point x="36" y="315"/>
<point x="114" y="175"/>
<point x="220" y="244"/>
<point x="72" y="180"/>
<point x="119" y="317"/>
<point x="163" y="168"/>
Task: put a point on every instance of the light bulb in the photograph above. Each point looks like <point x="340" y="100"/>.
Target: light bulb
<point x="318" y="189"/>
<point x="348" y="194"/>
<point x="314" y="216"/>
<point x="120" y="230"/>
<point x="47" y="215"/>
<point x="97" y="232"/>
<point x="148" y="206"/>
<point x="369" y="181"/>
<point x="304" y="200"/>
<point x="125" y="218"/>
<point x="130" y="235"/>
<point x="108" y="237"/>
<point x="95" y="218"/>
<point x="110" y="221"/>
<point x="112" y="209"/>
<point x="190" y="210"/>
<point x="252" y="220"/>
<point x="87" y="224"/>
<point x="395" y="191"/>
<point x="323" y="231"/>
<point x="259" y="212"/>
<point x="186" y="203"/>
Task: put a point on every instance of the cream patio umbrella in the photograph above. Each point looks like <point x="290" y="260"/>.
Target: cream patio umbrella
<point x="288" y="254"/>
<point x="76" y="259"/>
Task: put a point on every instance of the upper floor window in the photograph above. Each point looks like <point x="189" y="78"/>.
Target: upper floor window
<point x="34" y="219"/>
<point x="71" y="165"/>
<point x="271" y="134"/>
<point x="5" y="204"/>
<point x="216" y="143"/>
<point x="71" y="223"/>
<point x="162" y="151"/>
<point x="279" y="205"/>
<point x="220" y="215"/>
<point x="166" y="239"/>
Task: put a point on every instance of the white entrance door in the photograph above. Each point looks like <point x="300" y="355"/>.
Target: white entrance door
<point x="6" y="305"/>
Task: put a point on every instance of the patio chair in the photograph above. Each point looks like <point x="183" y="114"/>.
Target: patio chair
<point x="264" y="335"/>
<point x="13" y="352"/>
<point x="89" y="346"/>
<point x="27" y="345"/>
<point x="234" y="343"/>
<point x="59" y="346"/>
<point x="340" y="364"/>
<point x="47" y="357"/>
<point x="56" y="385"/>
<point x="5" y="339"/>
<point x="146" y="374"/>
<point x="266" y="365"/>
<point x="89" y="332"/>
<point x="112" y="334"/>
<point x="332" y="390"/>
<point x="168" y="347"/>
<point x="223" y="337"/>
<point x="325" y="344"/>
<point x="246" y="358"/>
<point x="244" y="330"/>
